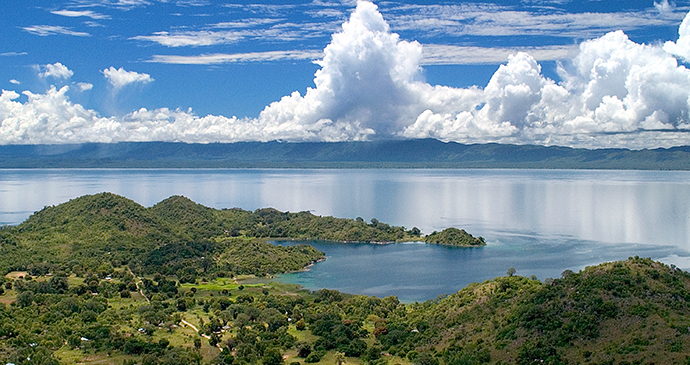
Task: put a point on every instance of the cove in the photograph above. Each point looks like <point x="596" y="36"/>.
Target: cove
<point x="540" y="222"/>
<point x="419" y="271"/>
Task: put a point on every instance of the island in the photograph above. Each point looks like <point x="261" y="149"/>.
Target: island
<point x="103" y="280"/>
<point x="454" y="237"/>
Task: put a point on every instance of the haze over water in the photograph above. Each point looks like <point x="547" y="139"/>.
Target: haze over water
<point x="539" y="221"/>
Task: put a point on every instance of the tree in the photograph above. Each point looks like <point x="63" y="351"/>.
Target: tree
<point x="272" y="356"/>
<point x="25" y="299"/>
<point x="566" y="273"/>
<point x="511" y="271"/>
<point x="425" y="358"/>
<point x="303" y="349"/>
<point x="197" y="343"/>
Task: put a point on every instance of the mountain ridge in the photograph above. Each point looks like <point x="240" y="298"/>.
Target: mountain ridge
<point x="418" y="153"/>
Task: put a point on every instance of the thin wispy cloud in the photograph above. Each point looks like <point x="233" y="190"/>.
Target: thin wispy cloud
<point x="220" y="58"/>
<point x="282" y="32"/>
<point x="118" y="4"/>
<point x="435" y="54"/>
<point x="246" y="23"/>
<point x="81" y="13"/>
<point x="663" y="7"/>
<point x="493" y="20"/>
<point x="194" y="39"/>
<point x="13" y="54"/>
<point x="48" y="30"/>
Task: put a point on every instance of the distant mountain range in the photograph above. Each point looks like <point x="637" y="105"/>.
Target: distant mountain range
<point x="422" y="153"/>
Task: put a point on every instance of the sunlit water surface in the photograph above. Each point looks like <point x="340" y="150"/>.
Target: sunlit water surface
<point x="540" y="222"/>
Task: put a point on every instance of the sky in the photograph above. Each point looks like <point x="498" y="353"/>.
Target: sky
<point x="589" y="74"/>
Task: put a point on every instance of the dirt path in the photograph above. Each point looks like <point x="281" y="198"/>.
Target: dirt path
<point x="195" y="329"/>
<point x="199" y="333"/>
<point x="137" y="280"/>
<point x="141" y="291"/>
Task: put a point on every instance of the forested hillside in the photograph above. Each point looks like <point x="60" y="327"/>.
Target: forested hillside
<point x="103" y="280"/>
<point x="630" y="312"/>
<point x="179" y="237"/>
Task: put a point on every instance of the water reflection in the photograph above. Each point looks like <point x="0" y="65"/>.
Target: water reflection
<point x="539" y="221"/>
<point x="649" y="207"/>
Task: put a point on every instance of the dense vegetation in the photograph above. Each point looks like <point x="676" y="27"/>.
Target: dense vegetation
<point x="628" y="312"/>
<point x="454" y="237"/>
<point x="103" y="280"/>
<point x="422" y="153"/>
<point x="175" y="237"/>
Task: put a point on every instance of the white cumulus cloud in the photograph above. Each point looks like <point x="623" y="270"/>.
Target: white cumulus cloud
<point x="369" y="84"/>
<point x="119" y="78"/>
<point x="56" y="70"/>
<point x="613" y="93"/>
<point x="83" y="86"/>
<point x="681" y="48"/>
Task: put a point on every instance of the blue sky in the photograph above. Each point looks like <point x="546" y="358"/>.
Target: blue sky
<point x="210" y="71"/>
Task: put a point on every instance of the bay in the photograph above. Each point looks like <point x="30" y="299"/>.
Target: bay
<point x="540" y="222"/>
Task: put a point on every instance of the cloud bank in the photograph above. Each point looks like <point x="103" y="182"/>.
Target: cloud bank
<point x="613" y="93"/>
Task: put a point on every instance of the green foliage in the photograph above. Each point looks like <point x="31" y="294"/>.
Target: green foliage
<point x="315" y="356"/>
<point x="177" y="237"/>
<point x="79" y="249"/>
<point x="272" y="356"/>
<point x="540" y="323"/>
<point x="454" y="237"/>
<point x="255" y="256"/>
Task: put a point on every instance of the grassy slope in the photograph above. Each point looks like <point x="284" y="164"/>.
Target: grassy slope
<point x="636" y="310"/>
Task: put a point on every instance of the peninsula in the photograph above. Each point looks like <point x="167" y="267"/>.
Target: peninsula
<point x="101" y="279"/>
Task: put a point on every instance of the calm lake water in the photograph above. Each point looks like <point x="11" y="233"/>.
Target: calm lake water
<point x="540" y="222"/>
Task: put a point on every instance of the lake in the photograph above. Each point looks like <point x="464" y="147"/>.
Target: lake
<point x="540" y="222"/>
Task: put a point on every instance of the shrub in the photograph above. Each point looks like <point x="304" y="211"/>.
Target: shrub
<point x="315" y="356"/>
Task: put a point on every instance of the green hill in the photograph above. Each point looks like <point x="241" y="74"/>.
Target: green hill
<point x="88" y="232"/>
<point x="630" y="312"/>
<point x="110" y="281"/>
<point x="175" y="237"/>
